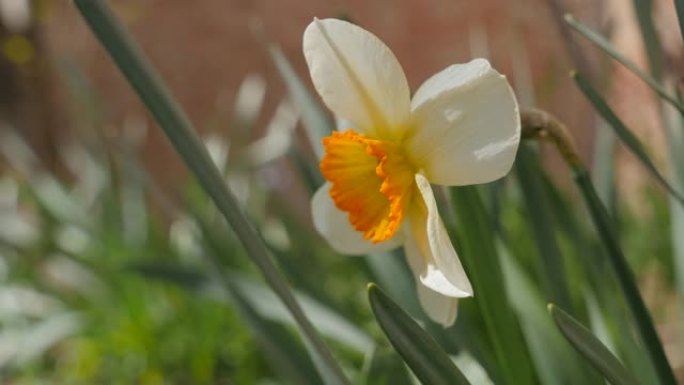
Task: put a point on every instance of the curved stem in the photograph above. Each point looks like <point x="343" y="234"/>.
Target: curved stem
<point x="540" y="125"/>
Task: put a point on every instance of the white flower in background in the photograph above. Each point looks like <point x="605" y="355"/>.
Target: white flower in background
<point x="462" y="127"/>
<point x="15" y="15"/>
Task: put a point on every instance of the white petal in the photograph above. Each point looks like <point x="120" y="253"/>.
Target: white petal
<point x="357" y="75"/>
<point x="467" y="125"/>
<point x="438" y="307"/>
<point x="429" y="250"/>
<point x="333" y="224"/>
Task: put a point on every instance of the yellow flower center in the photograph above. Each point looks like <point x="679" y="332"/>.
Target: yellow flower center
<point x="372" y="180"/>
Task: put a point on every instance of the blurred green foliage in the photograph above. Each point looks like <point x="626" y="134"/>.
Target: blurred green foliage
<point x="105" y="278"/>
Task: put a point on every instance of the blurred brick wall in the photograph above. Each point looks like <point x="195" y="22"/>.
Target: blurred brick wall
<point x="204" y="49"/>
<point x="632" y="99"/>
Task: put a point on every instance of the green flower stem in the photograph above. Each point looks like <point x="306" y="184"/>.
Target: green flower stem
<point x="178" y="128"/>
<point x="538" y="124"/>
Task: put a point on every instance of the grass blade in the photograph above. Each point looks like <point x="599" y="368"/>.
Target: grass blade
<point x="421" y="352"/>
<point x="674" y="125"/>
<point x="481" y="261"/>
<point x="383" y="366"/>
<point x="602" y="169"/>
<point x="282" y="350"/>
<point x="590" y="268"/>
<point x="554" y="360"/>
<point x="625" y="277"/>
<point x="679" y="4"/>
<point x="591" y="348"/>
<point x="177" y="127"/>
<point x="315" y="120"/>
<point x="579" y="59"/>
<point x="538" y="124"/>
<point x="591" y="272"/>
<point x="530" y="180"/>
<point x="396" y="279"/>
<point x="643" y="9"/>
<point x="602" y="43"/>
<point x="626" y="136"/>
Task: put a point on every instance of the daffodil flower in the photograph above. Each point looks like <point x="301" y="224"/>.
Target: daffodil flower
<point x="461" y="127"/>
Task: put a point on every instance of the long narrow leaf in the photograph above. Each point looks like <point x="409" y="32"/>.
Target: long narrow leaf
<point x="421" y="352"/>
<point x="674" y="124"/>
<point x="591" y="348"/>
<point x="592" y="273"/>
<point x="529" y="175"/>
<point x="643" y="9"/>
<point x="384" y="366"/>
<point x="679" y="4"/>
<point x="626" y="136"/>
<point x="545" y="126"/>
<point x="315" y="121"/>
<point x="602" y="43"/>
<point x="181" y="133"/>
<point x="281" y="348"/>
<point x="625" y="276"/>
<point x="395" y="278"/>
<point x="286" y="355"/>
<point x="554" y="360"/>
<point x="602" y="170"/>
<point x="482" y="265"/>
<point x="261" y="299"/>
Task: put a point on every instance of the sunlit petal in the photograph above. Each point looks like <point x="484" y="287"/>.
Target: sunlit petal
<point x="438" y="307"/>
<point x="335" y="227"/>
<point x="429" y="250"/>
<point x="357" y="75"/>
<point x="468" y="125"/>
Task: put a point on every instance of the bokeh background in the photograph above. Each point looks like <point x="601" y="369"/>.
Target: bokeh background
<point x="59" y="90"/>
<point x="205" y="50"/>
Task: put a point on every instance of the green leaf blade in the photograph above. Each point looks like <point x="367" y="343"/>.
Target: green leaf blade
<point x="179" y="130"/>
<point x="606" y="47"/>
<point x="419" y="350"/>
<point x="625" y="276"/>
<point x="554" y="360"/>
<point x="643" y="10"/>
<point x="481" y="261"/>
<point x="315" y="121"/>
<point x="591" y="348"/>
<point x="623" y="133"/>
<point x="529" y="175"/>
<point x="679" y="5"/>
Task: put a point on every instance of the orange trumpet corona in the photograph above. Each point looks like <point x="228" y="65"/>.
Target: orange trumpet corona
<point x="372" y="181"/>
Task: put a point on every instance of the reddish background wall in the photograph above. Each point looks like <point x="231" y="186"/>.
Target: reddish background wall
<point x="204" y="49"/>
